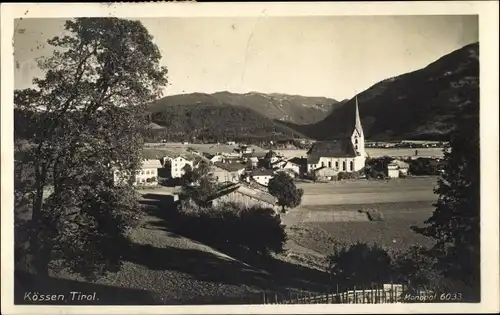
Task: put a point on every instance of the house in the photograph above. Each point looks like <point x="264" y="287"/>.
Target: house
<point x="397" y="168"/>
<point x="147" y="175"/>
<point x="213" y="158"/>
<point x="228" y="172"/>
<point x="244" y="195"/>
<point x="289" y="165"/>
<point x="262" y="176"/>
<point x="301" y="162"/>
<point x="272" y="157"/>
<point x="277" y="164"/>
<point x="253" y="161"/>
<point x="346" y="149"/>
<point x="227" y="151"/>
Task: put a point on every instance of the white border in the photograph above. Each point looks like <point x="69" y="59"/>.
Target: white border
<point x="488" y="26"/>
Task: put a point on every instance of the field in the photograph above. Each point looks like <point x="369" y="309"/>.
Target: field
<point x="291" y="153"/>
<point x="379" y="152"/>
<point x="403" y="203"/>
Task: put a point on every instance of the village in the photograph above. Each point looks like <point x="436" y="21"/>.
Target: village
<point x="242" y="172"/>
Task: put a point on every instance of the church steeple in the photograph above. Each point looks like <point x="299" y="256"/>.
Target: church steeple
<point x="357" y="125"/>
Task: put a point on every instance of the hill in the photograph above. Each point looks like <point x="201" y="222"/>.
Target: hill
<point x="416" y="105"/>
<point x="215" y="123"/>
<point x="292" y="108"/>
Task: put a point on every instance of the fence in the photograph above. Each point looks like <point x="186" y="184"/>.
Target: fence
<point x="388" y="293"/>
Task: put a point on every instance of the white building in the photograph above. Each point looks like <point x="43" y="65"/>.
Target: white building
<point x="262" y="176"/>
<point x="147" y="175"/>
<point x="397" y="168"/>
<point x="345" y="152"/>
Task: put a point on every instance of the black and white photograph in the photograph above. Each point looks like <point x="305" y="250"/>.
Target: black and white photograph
<point x="250" y="156"/>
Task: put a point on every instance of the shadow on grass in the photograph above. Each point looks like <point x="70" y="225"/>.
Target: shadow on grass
<point x="282" y="276"/>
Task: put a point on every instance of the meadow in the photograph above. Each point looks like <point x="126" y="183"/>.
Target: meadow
<point x="403" y="203"/>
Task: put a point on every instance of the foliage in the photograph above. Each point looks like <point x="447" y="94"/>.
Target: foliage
<point x="82" y="126"/>
<point x="233" y="227"/>
<point x="347" y="175"/>
<point x="283" y="187"/>
<point x="348" y="265"/>
<point x="376" y="168"/>
<point x="198" y="184"/>
<point x="424" y="166"/>
<point x="300" y="109"/>
<point x="455" y="222"/>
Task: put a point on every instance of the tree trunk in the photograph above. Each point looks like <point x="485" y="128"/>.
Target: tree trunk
<point x="40" y="254"/>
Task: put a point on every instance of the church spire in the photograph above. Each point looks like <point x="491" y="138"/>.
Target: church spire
<point x="358" y="126"/>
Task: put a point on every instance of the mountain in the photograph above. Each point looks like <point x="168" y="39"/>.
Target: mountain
<point x="418" y="105"/>
<point x="214" y="123"/>
<point x="291" y="108"/>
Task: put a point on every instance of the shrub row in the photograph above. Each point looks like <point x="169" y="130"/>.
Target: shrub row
<point x="232" y="227"/>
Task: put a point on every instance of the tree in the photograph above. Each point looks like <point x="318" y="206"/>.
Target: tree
<point x="455" y="222"/>
<point x="189" y="175"/>
<point x="283" y="187"/>
<point x="86" y="120"/>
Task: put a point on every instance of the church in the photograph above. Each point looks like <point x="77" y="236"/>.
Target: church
<point x="344" y="151"/>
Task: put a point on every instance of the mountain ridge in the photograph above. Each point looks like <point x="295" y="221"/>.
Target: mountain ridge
<point x="420" y="104"/>
<point x="280" y="106"/>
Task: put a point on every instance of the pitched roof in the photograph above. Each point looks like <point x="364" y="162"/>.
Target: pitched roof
<point x="230" y="167"/>
<point x="399" y="163"/>
<point x="247" y="191"/>
<point x="298" y="161"/>
<point x="312" y="159"/>
<point x="333" y="148"/>
<point x="151" y="164"/>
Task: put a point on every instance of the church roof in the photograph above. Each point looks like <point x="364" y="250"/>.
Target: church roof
<point x="333" y="148"/>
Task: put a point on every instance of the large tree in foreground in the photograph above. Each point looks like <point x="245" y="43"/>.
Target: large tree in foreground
<point x="85" y="120"/>
<point x="455" y="223"/>
<point x="282" y="187"/>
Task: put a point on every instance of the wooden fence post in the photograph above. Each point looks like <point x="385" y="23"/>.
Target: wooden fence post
<point x="392" y="291"/>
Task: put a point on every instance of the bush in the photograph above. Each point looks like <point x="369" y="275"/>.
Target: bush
<point x="374" y="215"/>
<point x="423" y="166"/>
<point x="232" y="227"/>
<point x="360" y="265"/>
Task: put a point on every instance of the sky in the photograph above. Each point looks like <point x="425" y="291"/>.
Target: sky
<point x="331" y="56"/>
